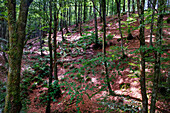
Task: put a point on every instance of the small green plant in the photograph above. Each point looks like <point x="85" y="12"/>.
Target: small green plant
<point x="2" y="94"/>
<point x="110" y="36"/>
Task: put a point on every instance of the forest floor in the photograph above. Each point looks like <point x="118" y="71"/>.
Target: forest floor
<point x="80" y="71"/>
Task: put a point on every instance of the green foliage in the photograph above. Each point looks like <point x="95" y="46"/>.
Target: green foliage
<point x="86" y="28"/>
<point x="2" y="94"/>
<point x="109" y="37"/>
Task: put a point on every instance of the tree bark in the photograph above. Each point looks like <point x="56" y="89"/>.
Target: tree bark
<point x="149" y="4"/>
<point x="118" y="2"/>
<point x="124" y="5"/>
<point x="133" y="6"/>
<point x="112" y="12"/>
<point x="16" y="45"/>
<point x="104" y="45"/>
<point x="76" y="13"/>
<point x="40" y="32"/>
<point x="51" y="59"/>
<point x="95" y="20"/>
<point x="70" y="15"/>
<point x="107" y="12"/>
<point x="128" y="8"/>
<point x="79" y="18"/>
<point x="58" y="93"/>
<point x="65" y="18"/>
<point x="152" y="21"/>
<point x="61" y="21"/>
<point x="101" y="19"/>
<point x="90" y="11"/>
<point x="85" y="12"/>
<point x="157" y="66"/>
<point x="142" y="53"/>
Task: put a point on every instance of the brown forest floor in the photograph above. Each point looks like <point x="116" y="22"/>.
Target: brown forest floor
<point x="125" y="84"/>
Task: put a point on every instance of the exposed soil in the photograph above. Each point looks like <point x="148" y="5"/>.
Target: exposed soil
<point x="124" y="81"/>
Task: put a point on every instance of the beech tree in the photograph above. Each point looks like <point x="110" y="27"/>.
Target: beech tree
<point x="157" y="53"/>
<point x="85" y="11"/>
<point x="152" y="21"/>
<point x="140" y="5"/>
<point x="95" y="20"/>
<point x="118" y="13"/>
<point x="104" y="45"/>
<point x="16" y="45"/>
<point x="51" y="59"/>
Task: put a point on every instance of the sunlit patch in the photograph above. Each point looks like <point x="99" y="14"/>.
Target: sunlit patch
<point x="166" y="32"/>
<point x="117" y="36"/>
<point x="148" y="38"/>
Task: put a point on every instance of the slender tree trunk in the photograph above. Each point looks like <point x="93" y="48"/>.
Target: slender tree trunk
<point x="149" y="3"/>
<point x="85" y="12"/>
<point x="65" y="18"/>
<point x="16" y="45"/>
<point x="118" y="2"/>
<point x="61" y="21"/>
<point x="152" y="21"/>
<point x="95" y="20"/>
<point x="58" y="92"/>
<point x="76" y="13"/>
<point x="101" y="19"/>
<point x="112" y="8"/>
<point x="90" y="11"/>
<point x="133" y="6"/>
<point x="142" y="53"/>
<point x="107" y="12"/>
<point x="40" y="33"/>
<point x="51" y="59"/>
<point x="79" y="18"/>
<point x="70" y="15"/>
<point x="128" y="14"/>
<point x="104" y="45"/>
<point x="157" y="66"/>
<point x="124" y="5"/>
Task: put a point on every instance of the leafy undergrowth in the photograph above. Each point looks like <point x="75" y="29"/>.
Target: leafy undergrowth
<point x="81" y="76"/>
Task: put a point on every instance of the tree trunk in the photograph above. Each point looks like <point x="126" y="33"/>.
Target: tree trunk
<point x="65" y="18"/>
<point x="133" y="6"/>
<point x="149" y="4"/>
<point x="40" y="33"/>
<point x="152" y="21"/>
<point x="95" y="20"/>
<point x="70" y="16"/>
<point x="157" y="66"/>
<point x="79" y="18"/>
<point x="90" y="11"/>
<point x="58" y="92"/>
<point x="51" y="59"/>
<point x="107" y="12"/>
<point x="118" y="2"/>
<point x="112" y="8"/>
<point x="16" y="45"/>
<point x="76" y="13"/>
<point x="104" y="45"/>
<point x="101" y="19"/>
<point x="142" y="53"/>
<point x="124" y="5"/>
<point x="61" y="21"/>
<point x="128" y="14"/>
<point x="85" y="12"/>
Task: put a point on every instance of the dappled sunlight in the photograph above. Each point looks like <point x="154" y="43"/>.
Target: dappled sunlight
<point x="148" y="38"/>
<point x="80" y="68"/>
